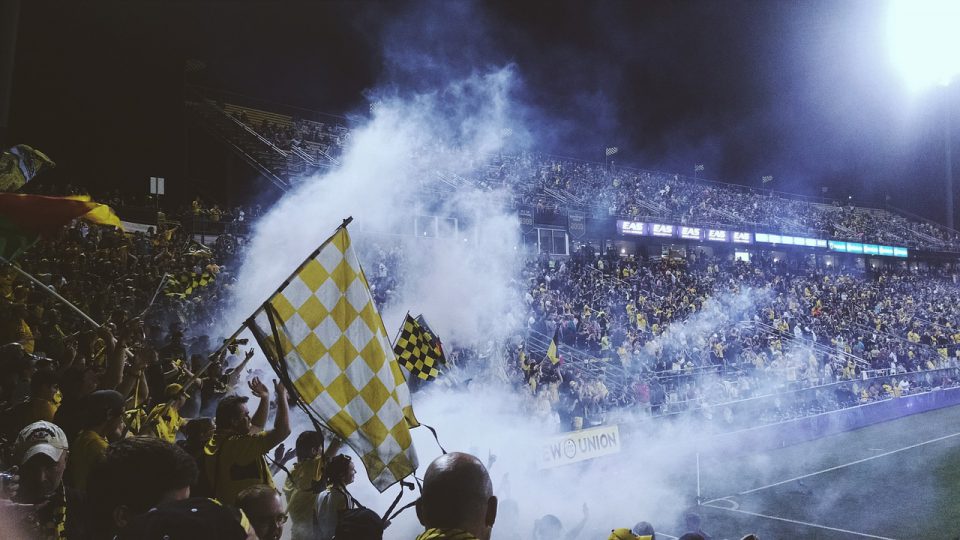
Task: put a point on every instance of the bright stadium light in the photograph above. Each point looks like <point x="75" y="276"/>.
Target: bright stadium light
<point x="924" y="40"/>
<point x="923" y="44"/>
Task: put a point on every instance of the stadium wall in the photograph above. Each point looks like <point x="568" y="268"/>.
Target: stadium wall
<point x="814" y="427"/>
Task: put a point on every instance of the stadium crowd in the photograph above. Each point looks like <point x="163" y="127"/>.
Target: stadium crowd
<point x="713" y="336"/>
<point x="636" y="194"/>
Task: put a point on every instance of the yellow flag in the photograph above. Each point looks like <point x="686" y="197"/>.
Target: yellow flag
<point x="323" y="333"/>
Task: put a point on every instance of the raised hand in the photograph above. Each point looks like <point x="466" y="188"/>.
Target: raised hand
<point x="281" y="455"/>
<point x="258" y="388"/>
<point x="280" y="389"/>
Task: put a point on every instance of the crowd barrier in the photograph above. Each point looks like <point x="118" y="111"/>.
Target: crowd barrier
<point x="808" y="428"/>
<point x="809" y="413"/>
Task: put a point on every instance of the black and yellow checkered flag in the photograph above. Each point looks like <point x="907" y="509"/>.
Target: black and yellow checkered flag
<point x="419" y="350"/>
<point x="186" y="283"/>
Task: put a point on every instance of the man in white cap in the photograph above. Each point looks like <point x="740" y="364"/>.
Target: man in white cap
<point x="41" y="451"/>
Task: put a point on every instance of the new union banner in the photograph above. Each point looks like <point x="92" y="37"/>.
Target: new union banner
<point x="579" y="446"/>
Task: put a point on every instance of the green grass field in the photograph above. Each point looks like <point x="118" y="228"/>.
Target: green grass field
<point x="899" y="479"/>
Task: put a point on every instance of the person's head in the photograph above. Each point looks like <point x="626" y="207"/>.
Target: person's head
<point x="458" y="494"/>
<point x="78" y="381"/>
<point x="341" y="471"/>
<point x="549" y="526"/>
<point x="692" y="536"/>
<point x="622" y="534"/>
<point x="644" y="531"/>
<point x="198" y="429"/>
<point x="176" y="332"/>
<point x="309" y="445"/>
<point x="360" y="524"/>
<point x="41" y="451"/>
<point x="750" y="537"/>
<point x="44" y="385"/>
<point x="135" y="475"/>
<point x="175" y="393"/>
<point x="189" y="519"/>
<point x="693" y="521"/>
<point x="103" y="413"/>
<point x="233" y="415"/>
<point x="263" y="507"/>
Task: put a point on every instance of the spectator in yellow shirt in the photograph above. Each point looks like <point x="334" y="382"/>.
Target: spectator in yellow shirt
<point x="233" y="459"/>
<point x="166" y="417"/>
<point x="103" y="422"/>
<point x="303" y="484"/>
<point x="42" y="404"/>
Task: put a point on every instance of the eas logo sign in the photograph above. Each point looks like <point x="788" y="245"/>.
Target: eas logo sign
<point x="630" y="227"/>
<point x="662" y="230"/>
<point x="717" y="235"/>
<point x="741" y="237"/>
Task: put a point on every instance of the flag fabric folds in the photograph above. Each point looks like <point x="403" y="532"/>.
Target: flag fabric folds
<point x="698" y="167"/>
<point x="18" y="165"/>
<point x="552" y="348"/>
<point x="418" y="349"/>
<point x="322" y="332"/>
<point x="24" y="218"/>
<point x="767" y="179"/>
<point x="612" y="150"/>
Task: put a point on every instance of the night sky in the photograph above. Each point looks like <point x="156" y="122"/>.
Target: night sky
<point x="803" y="91"/>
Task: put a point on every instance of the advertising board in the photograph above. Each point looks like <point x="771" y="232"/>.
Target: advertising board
<point x="580" y="445"/>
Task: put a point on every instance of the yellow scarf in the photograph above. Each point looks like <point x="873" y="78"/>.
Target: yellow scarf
<point x="446" y="534"/>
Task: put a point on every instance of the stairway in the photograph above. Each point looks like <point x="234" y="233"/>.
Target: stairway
<point x="281" y="167"/>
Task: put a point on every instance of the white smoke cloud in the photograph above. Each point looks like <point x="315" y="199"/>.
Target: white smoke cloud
<point x="392" y="170"/>
<point x="651" y="479"/>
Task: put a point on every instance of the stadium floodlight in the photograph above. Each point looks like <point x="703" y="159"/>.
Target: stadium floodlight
<point x="923" y="44"/>
<point x="924" y="40"/>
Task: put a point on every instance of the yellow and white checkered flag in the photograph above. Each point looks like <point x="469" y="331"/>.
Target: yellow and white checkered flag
<point x="335" y="352"/>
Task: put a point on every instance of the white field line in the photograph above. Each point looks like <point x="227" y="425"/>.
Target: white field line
<point x="801" y="477"/>
<point x="804" y="523"/>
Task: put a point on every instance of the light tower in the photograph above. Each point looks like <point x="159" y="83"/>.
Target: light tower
<point x="924" y="43"/>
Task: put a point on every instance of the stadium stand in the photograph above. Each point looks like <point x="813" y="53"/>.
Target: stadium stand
<point x="296" y="146"/>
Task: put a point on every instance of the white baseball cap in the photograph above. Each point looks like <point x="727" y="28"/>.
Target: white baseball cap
<point x="40" y="438"/>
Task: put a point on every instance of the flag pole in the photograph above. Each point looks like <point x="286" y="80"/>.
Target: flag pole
<point x="154" y="299"/>
<point x="394" y="344"/>
<point x="49" y="290"/>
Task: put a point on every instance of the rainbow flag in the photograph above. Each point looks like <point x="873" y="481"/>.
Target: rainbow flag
<point x="25" y="218"/>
